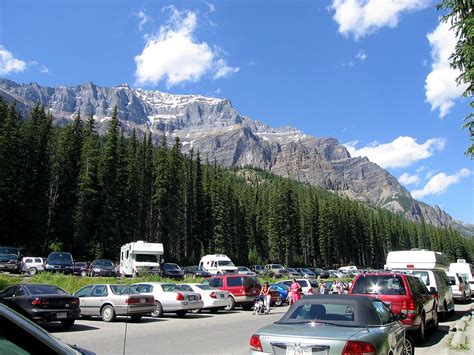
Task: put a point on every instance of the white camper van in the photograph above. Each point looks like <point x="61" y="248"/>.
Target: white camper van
<point x="465" y="270"/>
<point x="140" y="257"/>
<point x="430" y="267"/>
<point x="218" y="264"/>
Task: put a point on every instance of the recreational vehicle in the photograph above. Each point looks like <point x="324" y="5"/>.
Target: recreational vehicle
<point x="138" y="258"/>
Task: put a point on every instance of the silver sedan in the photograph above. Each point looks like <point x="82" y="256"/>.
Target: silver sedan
<point x="109" y="301"/>
<point x="334" y="324"/>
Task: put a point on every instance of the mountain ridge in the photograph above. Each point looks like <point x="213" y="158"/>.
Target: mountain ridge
<point x="219" y="131"/>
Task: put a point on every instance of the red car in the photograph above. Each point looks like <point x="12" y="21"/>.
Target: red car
<point x="242" y="289"/>
<point x="404" y="294"/>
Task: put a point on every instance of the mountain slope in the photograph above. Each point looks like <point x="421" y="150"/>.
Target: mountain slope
<point x="219" y="132"/>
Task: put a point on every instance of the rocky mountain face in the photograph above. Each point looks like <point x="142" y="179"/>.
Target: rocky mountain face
<point x="219" y="132"/>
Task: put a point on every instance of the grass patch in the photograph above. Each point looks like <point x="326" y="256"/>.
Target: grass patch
<point x="8" y="280"/>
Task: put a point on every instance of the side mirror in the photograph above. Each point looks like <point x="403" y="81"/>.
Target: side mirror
<point x="433" y="290"/>
<point x="400" y="316"/>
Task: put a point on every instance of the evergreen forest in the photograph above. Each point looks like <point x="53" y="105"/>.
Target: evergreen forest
<point x="69" y="188"/>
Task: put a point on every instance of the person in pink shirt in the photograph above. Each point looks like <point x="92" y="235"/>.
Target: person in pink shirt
<point x="295" y="289"/>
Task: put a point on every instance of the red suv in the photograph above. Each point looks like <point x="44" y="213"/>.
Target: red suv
<point x="242" y="289"/>
<point x="404" y="294"/>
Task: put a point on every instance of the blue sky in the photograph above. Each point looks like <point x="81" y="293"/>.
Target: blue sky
<point x="372" y="73"/>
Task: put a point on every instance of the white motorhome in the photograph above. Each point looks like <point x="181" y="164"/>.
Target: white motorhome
<point x="140" y="258"/>
<point x="218" y="264"/>
<point x="347" y="269"/>
<point x="465" y="270"/>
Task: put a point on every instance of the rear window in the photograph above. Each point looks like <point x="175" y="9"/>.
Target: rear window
<point x="379" y="284"/>
<point x="45" y="290"/>
<point x="251" y="281"/>
<point x="60" y="256"/>
<point x="323" y="312"/>
<point x="170" y="288"/>
<point x="234" y="281"/>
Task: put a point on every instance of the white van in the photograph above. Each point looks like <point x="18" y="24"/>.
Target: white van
<point x="465" y="270"/>
<point x="140" y="258"/>
<point x="430" y="267"/>
<point x="347" y="269"/>
<point x="218" y="264"/>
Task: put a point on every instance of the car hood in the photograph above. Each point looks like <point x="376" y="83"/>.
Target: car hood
<point x="319" y="330"/>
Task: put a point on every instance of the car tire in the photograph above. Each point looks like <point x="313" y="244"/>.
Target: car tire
<point x="408" y="346"/>
<point x="136" y="317"/>
<point x="232" y="304"/>
<point x="32" y="271"/>
<point x="108" y="313"/>
<point x="278" y="302"/>
<point x="158" y="312"/>
<point x="83" y="273"/>
<point x="422" y="331"/>
<point x="181" y="314"/>
<point x="67" y="323"/>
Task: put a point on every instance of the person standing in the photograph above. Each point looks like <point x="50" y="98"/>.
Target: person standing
<point x="265" y="292"/>
<point x="295" y="289"/>
<point x="322" y="288"/>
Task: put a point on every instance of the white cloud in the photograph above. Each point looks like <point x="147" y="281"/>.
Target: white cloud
<point x="439" y="183"/>
<point x="10" y="64"/>
<point x="401" y="153"/>
<point x="174" y="54"/>
<point x="144" y="19"/>
<point x="361" y="55"/>
<point x="363" y="17"/>
<point x="407" y="179"/>
<point x="440" y="86"/>
<point x="210" y="6"/>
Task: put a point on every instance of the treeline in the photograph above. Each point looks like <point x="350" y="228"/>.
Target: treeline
<point x="69" y="188"/>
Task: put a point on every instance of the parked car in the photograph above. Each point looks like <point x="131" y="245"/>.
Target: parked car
<point x="331" y="325"/>
<point x="306" y="273"/>
<point x="171" y="270"/>
<point x="322" y="274"/>
<point x="276" y="270"/>
<point x="195" y="271"/>
<point x="213" y="298"/>
<point x="102" y="267"/>
<point x="44" y="303"/>
<point x="243" y="270"/>
<point x="242" y="289"/>
<point x="32" y="265"/>
<point x="405" y="294"/>
<point x="81" y="268"/>
<point x="10" y="263"/>
<point x="459" y="286"/>
<point x="294" y="273"/>
<point x="258" y="269"/>
<point x="59" y="262"/>
<point x="282" y="291"/>
<point x="169" y="298"/>
<point x="19" y="335"/>
<point x="109" y="301"/>
<point x="308" y="287"/>
<point x="11" y="250"/>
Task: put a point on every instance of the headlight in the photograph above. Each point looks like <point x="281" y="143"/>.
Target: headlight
<point x="96" y="269"/>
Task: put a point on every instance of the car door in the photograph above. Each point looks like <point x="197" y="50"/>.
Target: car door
<point x="97" y="299"/>
<point x="393" y="330"/>
<point x="427" y="299"/>
<point x="84" y="295"/>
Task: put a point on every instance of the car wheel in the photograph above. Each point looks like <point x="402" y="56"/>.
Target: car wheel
<point x="32" y="271"/>
<point x="232" y="304"/>
<point x="196" y="311"/>
<point x="278" y="302"/>
<point x="408" y="346"/>
<point x="158" y="312"/>
<point x="67" y="323"/>
<point x="214" y="310"/>
<point x="108" y="313"/>
<point x="83" y="273"/>
<point x="136" y="317"/>
<point x="181" y="313"/>
<point x="422" y="330"/>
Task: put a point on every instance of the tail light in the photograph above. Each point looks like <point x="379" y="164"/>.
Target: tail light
<point x="358" y="347"/>
<point x="131" y="300"/>
<point x="179" y="297"/>
<point x="150" y="300"/>
<point x="436" y="295"/>
<point x="213" y="295"/>
<point x="409" y="306"/>
<point x="255" y="343"/>
<point x="75" y="301"/>
<point x="39" y="302"/>
<point x="310" y="291"/>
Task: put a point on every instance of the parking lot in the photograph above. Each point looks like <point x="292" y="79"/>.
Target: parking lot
<point x="222" y="333"/>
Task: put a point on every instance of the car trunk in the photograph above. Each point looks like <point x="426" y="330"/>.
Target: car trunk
<point x="55" y="302"/>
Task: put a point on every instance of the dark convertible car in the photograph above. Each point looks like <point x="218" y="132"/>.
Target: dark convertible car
<point x="44" y="303"/>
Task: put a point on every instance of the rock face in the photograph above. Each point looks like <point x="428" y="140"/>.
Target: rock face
<point x="219" y="132"/>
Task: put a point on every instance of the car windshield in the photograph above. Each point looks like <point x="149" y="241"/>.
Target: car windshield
<point x="146" y="258"/>
<point x="103" y="263"/>
<point x="6" y="250"/>
<point x="324" y="312"/>
<point x="379" y="284"/>
<point x="45" y="290"/>
<point x="123" y="290"/>
<point x="171" y="267"/>
<point x="277" y="266"/>
<point x="7" y="257"/>
<point x="242" y="268"/>
<point x="60" y="257"/>
<point x="170" y="288"/>
<point x="258" y="267"/>
<point x="290" y="269"/>
<point x="225" y="263"/>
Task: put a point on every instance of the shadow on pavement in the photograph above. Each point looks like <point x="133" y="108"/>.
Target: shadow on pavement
<point x="56" y="328"/>
<point x="434" y="336"/>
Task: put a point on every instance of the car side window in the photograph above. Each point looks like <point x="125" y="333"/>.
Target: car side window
<point x="19" y="292"/>
<point x="216" y="282"/>
<point x="8" y="292"/>
<point x="28" y="260"/>
<point x="84" y="292"/>
<point x="383" y="312"/>
<point x="99" y="291"/>
<point x="422" y="287"/>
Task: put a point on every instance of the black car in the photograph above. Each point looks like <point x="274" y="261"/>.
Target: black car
<point x="44" y="303"/>
<point x="172" y="271"/>
<point x="10" y="263"/>
<point x="11" y="250"/>
<point x="59" y="262"/>
<point x="102" y="267"/>
<point x="195" y="271"/>
<point x="80" y="268"/>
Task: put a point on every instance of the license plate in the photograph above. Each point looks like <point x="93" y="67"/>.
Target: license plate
<point x="61" y="315"/>
<point x="221" y="295"/>
<point x="304" y="350"/>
